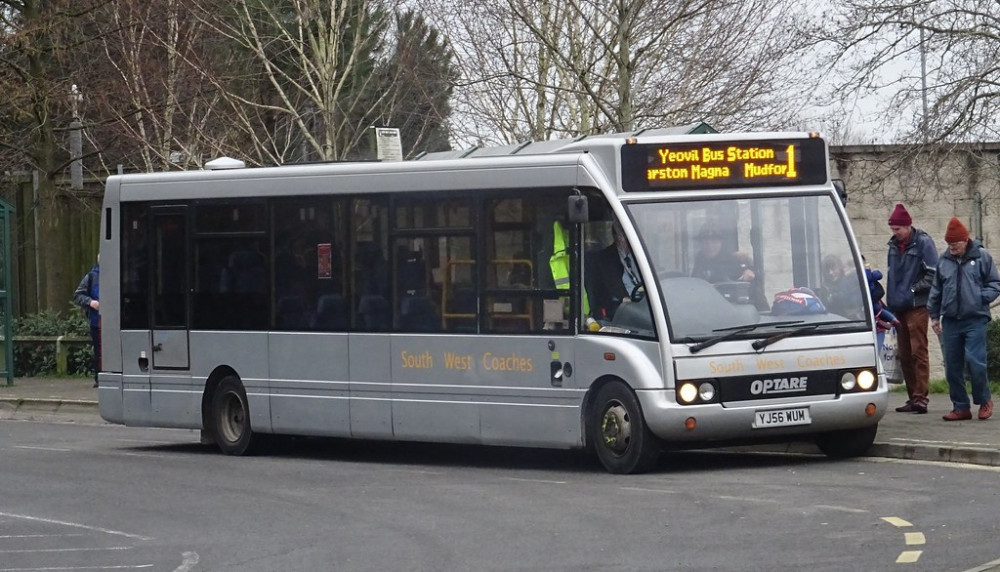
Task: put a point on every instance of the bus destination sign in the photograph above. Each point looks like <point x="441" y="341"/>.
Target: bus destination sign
<point x="718" y="164"/>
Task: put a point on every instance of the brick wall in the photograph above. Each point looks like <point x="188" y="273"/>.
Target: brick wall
<point x="933" y="183"/>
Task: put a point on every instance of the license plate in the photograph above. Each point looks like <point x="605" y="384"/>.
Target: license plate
<point x="781" y="417"/>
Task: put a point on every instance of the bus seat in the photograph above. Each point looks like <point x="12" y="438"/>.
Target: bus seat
<point x="374" y="312"/>
<point x="331" y="313"/>
<point x="291" y="312"/>
<point x="417" y="314"/>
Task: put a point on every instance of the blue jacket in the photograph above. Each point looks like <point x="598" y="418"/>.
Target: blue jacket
<point x="964" y="288"/>
<point x="876" y="291"/>
<point x="911" y="272"/>
<point x="88" y="290"/>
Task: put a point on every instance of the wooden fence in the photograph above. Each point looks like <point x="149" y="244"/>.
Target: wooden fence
<point x="77" y="236"/>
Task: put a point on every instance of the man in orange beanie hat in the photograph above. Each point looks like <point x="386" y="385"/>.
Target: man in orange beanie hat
<point x="959" y="306"/>
<point x="911" y="263"/>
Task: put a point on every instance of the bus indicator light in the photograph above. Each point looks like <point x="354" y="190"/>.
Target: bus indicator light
<point x="690" y="423"/>
<point x="609" y="356"/>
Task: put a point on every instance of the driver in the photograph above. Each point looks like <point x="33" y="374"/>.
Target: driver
<point x="713" y="264"/>
<point x="611" y="276"/>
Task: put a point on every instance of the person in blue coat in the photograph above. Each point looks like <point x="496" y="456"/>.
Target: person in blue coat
<point x="884" y="319"/>
<point x="87" y="296"/>
<point x="959" y="306"/>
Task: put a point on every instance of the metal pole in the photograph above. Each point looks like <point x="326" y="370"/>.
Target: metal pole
<point x="8" y="306"/>
<point x="923" y="86"/>
<point x="76" y="141"/>
<point x="35" y="218"/>
<point x="76" y="155"/>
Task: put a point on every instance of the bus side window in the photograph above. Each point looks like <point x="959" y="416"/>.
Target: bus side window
<point x="521" y="293"/>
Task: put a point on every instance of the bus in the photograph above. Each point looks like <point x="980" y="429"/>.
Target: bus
<point x="481" y="299"/>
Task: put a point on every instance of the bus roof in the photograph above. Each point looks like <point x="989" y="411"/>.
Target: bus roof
<point x="549" y="146"/>
<point x="554" y="162"/>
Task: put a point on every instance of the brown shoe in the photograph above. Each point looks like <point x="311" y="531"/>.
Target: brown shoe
<point x="912" y="407"/>
<point x="957" y="415"/>
<point x="986" y="410"/>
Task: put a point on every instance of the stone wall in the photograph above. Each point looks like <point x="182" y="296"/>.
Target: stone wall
<point x="933" y="183"/>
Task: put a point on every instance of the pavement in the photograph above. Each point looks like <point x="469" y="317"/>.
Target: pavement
<point x="900" y="435"/>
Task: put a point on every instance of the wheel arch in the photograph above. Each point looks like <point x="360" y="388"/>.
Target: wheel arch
<point x="211" y="385"/>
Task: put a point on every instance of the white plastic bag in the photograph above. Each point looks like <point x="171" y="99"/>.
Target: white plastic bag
<point x="890" y="358"/>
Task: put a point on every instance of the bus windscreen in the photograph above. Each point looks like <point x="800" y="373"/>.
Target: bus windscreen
<point x="717" y="164"/>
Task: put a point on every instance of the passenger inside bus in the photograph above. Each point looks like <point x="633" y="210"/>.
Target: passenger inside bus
<point x="840" y="288"/>
<point x="611" y="276"/>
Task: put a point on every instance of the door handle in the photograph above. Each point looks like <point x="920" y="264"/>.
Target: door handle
<point x="158" y="348"/>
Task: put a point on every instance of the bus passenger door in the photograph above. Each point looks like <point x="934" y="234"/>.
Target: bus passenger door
<point x="170" y="292"/>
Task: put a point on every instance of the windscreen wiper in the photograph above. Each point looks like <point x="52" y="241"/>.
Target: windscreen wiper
<point x="735" y="331"/>
<point x="759" y="345"/>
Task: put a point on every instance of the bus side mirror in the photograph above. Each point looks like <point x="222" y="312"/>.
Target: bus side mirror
<point x="577" y="209"/>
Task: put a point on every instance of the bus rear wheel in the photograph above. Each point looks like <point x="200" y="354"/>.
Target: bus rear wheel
<point x="847" y="443"/>
<point x="619" y="433"/>
<point x="231" y="417"/>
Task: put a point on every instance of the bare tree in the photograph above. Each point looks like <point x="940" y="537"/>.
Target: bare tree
<point x="156" y="109"/>
<point x="534" y="69"/>
<point x="306" y="89"/>
<point x="937" y="62"/>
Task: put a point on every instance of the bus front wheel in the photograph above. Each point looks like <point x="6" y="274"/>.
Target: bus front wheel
<point x="619" y="433"/>
<point x="847" y="443"/>
<point x="231" y="416"/>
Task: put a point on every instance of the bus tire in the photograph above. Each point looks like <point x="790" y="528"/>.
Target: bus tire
<point x="847" y="443"/>
<point x="231" y="418"/>
<point x="618" y="431"/>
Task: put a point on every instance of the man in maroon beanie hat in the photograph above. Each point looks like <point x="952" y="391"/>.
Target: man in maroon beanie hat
<point x="965" y="284"/>
<point x="911" y="267"/>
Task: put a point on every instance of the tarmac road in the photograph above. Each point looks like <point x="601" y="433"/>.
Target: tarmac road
<point x="901" y="435"/>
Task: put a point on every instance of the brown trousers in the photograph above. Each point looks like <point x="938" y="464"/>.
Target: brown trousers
<point x="911" y="339"/>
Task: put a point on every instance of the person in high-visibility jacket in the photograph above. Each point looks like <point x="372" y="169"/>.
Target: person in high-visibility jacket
<point x="559" y="261"/>
<point x="611" y="276"/>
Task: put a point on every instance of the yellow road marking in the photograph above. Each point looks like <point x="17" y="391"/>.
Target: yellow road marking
<point x="896" y="521"/>
<point x="912" y="539"/>
<point x="908" y="557"/>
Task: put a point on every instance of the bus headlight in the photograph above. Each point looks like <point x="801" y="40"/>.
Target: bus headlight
<point x="847" y="380"/>
<point x="866" y="379"/>
<point x="706" y="391"/>
<point x="688" y="392"/>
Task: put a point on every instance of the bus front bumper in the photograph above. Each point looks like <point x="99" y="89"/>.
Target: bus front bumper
<point x="758" y="421"/>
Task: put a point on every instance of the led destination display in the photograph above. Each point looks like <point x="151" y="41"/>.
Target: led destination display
<point x="718" y="164"/>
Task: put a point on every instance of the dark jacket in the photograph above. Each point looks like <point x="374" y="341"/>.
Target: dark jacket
<point x="723" y="267"/>
<point x="88" y="290"/>
<point x="965" y="287"/>
<point x="911" y="272"/>
<point x="605" y="290"/>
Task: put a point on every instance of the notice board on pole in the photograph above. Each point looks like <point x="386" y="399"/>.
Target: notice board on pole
<point x="390" y="148"/>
